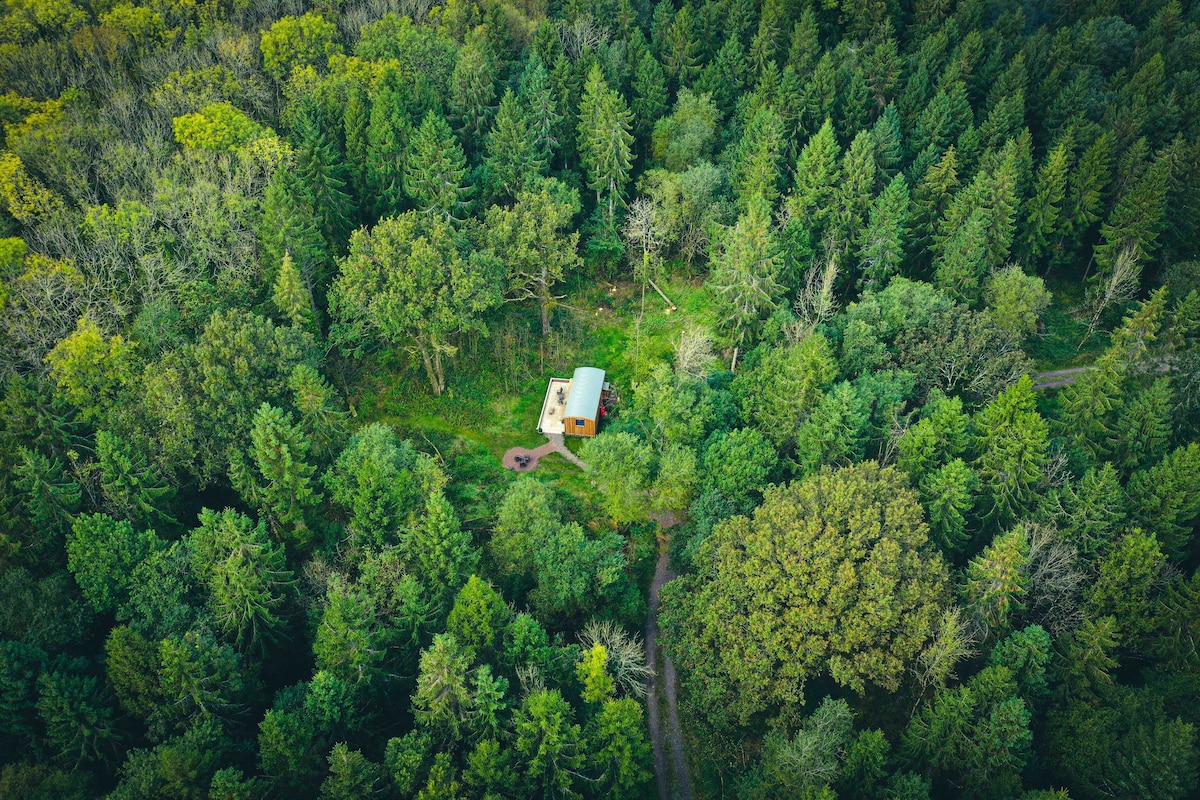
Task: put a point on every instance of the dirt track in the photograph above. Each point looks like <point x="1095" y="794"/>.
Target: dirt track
<point x="669" y="760"/>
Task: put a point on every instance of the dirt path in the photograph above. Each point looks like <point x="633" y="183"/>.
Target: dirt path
<point x="670" y="766"/>
<point x="1057" y="378"/>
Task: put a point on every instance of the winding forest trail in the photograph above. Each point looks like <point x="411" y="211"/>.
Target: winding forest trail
<point x="670" y="765"/>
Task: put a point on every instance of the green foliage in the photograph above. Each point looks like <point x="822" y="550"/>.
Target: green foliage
<point x="435" y="170"/>
<point x="794" y="559"/>
<point x="737" y="464"/>
<point x="1015" y="300"/>
<point x="478" y="617"/>
<point x="102" y="553"/>
<point x="605" y="142"/>
<point x="298" y="41"/>
<point x="1010" y="442"/>
<point x="218" y="127"/>
<point x="997" y="580"/>
<point x="245" y="574"/>
<point x="620" y="467"/>
<point x="411" y="278"/>
<point x="375" y="479"/>
<point x="978" y="733"/>
<point x="280" y="479"/>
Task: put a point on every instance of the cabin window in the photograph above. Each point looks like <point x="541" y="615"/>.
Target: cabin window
<point x="579" y="423"/>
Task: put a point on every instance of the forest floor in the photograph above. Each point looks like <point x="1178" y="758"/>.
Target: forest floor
<point x="670" y="761"/>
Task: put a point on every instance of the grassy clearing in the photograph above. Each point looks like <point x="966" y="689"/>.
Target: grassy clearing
<point x="497" y="383"/>
<point x="1058" y="346"/>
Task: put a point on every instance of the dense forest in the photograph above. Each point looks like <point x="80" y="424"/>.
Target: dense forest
<point x="901" y="304"/>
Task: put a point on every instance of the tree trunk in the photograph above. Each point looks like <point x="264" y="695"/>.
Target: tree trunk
<point x="427" y="357"/>
<point x="544" y="300"/>
<point x="660" y="294"/>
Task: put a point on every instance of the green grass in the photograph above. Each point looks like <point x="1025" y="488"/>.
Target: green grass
<point x="1058" y="346"/>
<point x="496" y="384"/>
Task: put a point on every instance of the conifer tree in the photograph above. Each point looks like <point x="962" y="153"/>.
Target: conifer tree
<point x="435" y="171"/>
<point x="881" y="244"/>
<point x="605" y="143"/>
<point x="48" y="497"/>
<point x="889" y="143"/>
<point x="324" y="423"/>
<point x="133" y="488"/>
<point x="817" y="178"/>
<point x="931" y="200"/>
<point x="726" y="77"/>
<point x="321" y="176"/>
<point x="1086" y="185"/>
<point x="649" y="98"/>
<point x="245" y="574"/>
<point x="1010" y="442"/>
<point x="473" y="92"/>
<point x="745" y="274"/>
<point x="1043" y="223"/>
<point x="805" y="45"/>
<point x="388" y="135"/>
<point x="1093" y="510"/>
<point x="541" y="109"/>
<point x="681" y="50"/>
<point x="513" y="158"/>
<point x="756" y="170"/>
<point x="765" y="46"/>
<point x="280" y="479"/>
<point x="355" y="121"/>
<point x="996" y="580"/>
<point x="1137" y="219"/>
<point x="290" y="295"/>
<point x="1144" y="426"/>
<point x="855" y="189"/>
<point x="288" y="226"/>
<point x="948" y="494"/>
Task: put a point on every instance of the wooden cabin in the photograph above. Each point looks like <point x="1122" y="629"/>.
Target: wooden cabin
<point x="574" y="407"/>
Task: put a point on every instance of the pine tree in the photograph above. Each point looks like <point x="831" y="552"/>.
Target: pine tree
<point x="281" y="479"/>
<point x="881" y="244"/>
<point x="766" y="44"/>
<point x="931" y="201"/>
<point x="948" y="494"/>
<point x="435" y="171"/>
<point x="291" y="296"/>
<point x="817" y="179"/>
<point x="996" y="580"/>
<point x="805" y="46"/>
<point x="745" y="273"/>
<point x="681" y="50"/>
<point x="288" y="226"/>
<point x="1043" y="226"/>
<point x="1144" y="426"/>
<point x="541" y="108"/>
<point x="320" y="171"/>
<point x="473" y="92"/>
<point x="1093" y="510"/>
<point x="605" y="143"/>
<point x="649" y="98"/>
<point x="133" y="488"/>
<point x="726" y="77"/>
<point x="513" y="158"/>
<point x="324" y="423"/>
<point x="1004" y="121"/>
<point x="1010" y="442"/>
<point x="48" y="497"/>
<point x="854" y="191"/>
<point x="962" y="262"/>
<point x="758" y="157"/>
<point x="889" y="144"/>
<point x="439" y="551"/>
<point x="388" y="135"/>
<point x="1085" y="191"/>
<point x="355" y="121"/>
<point x="1137" y="219"/>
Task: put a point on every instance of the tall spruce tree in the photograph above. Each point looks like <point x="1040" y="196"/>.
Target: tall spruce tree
<point x="321" y="176"/>
<point x="881" y="243"/>
<point x="436" y="169"/>
<point x="605" y="143"/>
<point x="513" y="157"/>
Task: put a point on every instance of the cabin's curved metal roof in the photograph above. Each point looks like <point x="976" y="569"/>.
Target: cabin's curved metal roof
<point x="584" y="399"/>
